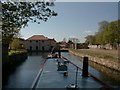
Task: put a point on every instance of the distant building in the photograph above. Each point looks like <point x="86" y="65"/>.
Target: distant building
<point x="82" y="46"/>
<point x="39" y="43"/>
<point x="77" y="45"/>
<point x="62" y="44"/>
<point x="106" y="46"/>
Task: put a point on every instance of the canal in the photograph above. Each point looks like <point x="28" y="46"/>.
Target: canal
<point x="25" y="74"/>
<point x="105" y="74"/>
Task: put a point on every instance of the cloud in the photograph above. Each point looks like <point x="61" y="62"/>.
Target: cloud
<point x="72" y="36"/>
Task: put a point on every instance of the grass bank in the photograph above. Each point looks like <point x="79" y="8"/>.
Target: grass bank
<point x="107" y="58"/>
<point x="13" y="52"/>
<point x="100" y="53"/>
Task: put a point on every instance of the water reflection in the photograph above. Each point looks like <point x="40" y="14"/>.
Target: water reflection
<point x="42" y="54"/>
<point x="29" y="69"/>
<point x="24" y="74"/>
<point x="105" y="74"/>
<point x="108" y="75"/>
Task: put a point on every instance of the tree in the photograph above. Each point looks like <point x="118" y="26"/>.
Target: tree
<point x="108" y="33"/>
<point x="90" y="39"/>
<point x="103" y="26"/>
<point x="113" y="35"/>
<point x="64" y="40"/>
<point x="69" y="44"/>
<point x="118" y="31"/>
<point x="0" y="36"/>
<point x="16" y="15"/>
<point x="15" y="44"/>
<point x="99" y="37"/>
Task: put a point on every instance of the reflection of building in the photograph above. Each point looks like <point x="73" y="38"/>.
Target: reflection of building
<point x="39" y="43"/>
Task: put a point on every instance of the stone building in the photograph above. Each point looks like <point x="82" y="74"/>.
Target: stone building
<point x="39" y="43"/>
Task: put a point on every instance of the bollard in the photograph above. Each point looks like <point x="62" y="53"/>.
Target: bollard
<point x="85" y="67"/>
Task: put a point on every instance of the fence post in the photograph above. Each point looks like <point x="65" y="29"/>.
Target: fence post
<point x="85" y="67"/>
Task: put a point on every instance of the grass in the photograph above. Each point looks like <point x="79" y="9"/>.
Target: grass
<point x="105" y="54"/>
<point x="12" y="52"/>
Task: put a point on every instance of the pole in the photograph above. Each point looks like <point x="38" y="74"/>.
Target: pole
<point x="85" y="67"/>
<point x="59" y="52"/>
<point x="76" y="78"/>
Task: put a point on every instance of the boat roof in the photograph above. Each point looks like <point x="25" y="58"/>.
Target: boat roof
<point x="52" y="78"/>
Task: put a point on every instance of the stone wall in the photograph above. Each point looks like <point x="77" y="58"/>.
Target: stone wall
<point x="107" y="63"/>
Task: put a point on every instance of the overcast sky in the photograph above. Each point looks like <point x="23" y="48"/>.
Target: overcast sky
<point x="75" y="19"/>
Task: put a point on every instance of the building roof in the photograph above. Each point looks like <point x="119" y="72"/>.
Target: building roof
<point x="52" y="40"/>
<point x="38" y="37"/>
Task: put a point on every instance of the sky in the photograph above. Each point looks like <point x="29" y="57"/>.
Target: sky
<point x="75" y="19"/>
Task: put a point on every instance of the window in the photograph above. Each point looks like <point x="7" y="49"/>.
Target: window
<point x="43" y="48"/>
<point x="30" y="48"/>
<point x="36" y="47"/>
<point x="36" y="40"/>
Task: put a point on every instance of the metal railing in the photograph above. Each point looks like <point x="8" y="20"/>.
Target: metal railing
<point x="89" y="74"/>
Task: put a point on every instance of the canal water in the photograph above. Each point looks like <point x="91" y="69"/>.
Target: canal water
<point x="25" y="74"/>
<point x="105" y="74"/>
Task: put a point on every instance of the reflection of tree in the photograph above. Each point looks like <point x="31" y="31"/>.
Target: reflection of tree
<point x="108" y="74"/>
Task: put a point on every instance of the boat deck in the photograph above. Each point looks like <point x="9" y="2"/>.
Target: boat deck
<point x="52" y="78"/>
